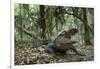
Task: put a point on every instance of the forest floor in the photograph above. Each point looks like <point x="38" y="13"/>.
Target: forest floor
<point x="25" y="55"/>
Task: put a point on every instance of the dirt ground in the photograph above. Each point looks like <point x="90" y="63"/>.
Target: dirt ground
<point x="26" y="55"/>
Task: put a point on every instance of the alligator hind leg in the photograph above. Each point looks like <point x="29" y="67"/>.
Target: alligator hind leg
<point x="75" y="50"/>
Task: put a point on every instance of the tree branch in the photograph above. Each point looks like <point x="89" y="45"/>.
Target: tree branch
<point x="77" y="16"/>
<point x="25" y="31"/>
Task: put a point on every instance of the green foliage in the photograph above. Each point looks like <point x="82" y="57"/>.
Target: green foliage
<point x="57" y="19"/>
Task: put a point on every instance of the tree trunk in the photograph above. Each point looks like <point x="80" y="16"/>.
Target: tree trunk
<point x="42" y="23"/>
<point x="21" y="23"/>
<point x="86" y="29"/>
